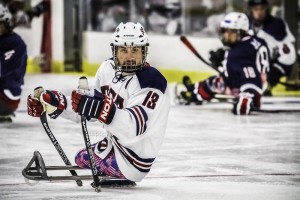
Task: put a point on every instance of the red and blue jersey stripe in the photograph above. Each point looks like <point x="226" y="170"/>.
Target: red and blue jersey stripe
<point x="141" y="164"/>
<point x="141" y="118"/>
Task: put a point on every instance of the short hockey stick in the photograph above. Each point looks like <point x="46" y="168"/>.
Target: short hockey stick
<point x="83" y="84"/>
<point x="189" y="45"/>
<point x="37" y="93"/>
<point x="192" y="49"/>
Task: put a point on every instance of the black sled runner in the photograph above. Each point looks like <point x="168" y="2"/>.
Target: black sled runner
<point x="37" y="170"/>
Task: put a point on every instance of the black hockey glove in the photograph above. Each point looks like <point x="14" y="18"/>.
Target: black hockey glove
<point x="216" y="57"/>
<point x="37" y="10"/>
<point x="99" y="107"/>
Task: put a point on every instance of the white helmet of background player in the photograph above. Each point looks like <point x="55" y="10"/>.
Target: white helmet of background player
<point x="129" y="47"/>
<point x="5" y="17"/>
<point x="234" y="23"/>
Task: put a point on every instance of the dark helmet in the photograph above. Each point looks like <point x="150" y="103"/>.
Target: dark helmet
<point x="5" y="16"/>
<point x="257" y="2"/>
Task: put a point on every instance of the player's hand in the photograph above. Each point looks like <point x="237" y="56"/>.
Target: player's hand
<point x="243" y="104"/>
<point x="52" y="102"/>
<point x="38" y="9"/>
<point x="216" y="57"/>
<point x="91" y="93"/>
<point x="99" y="106"/>
<point x="77" y="94"/>
<point x="55" y="102"/>
<point x="34" y="106"/>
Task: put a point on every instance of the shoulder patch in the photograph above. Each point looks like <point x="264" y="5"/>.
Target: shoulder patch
<point x="151" y="78"/>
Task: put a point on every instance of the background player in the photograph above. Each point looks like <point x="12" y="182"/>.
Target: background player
<point x="22" y="17"/>
<point x="280" y="41"/>
<point x="130" y="99"/>
<point x="13" y="60"/>
<point x="243" y="69"/>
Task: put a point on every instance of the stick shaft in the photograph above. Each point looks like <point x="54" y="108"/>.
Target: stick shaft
<point x="189" y="45"/>
<point x="57" y="146"/>
<point x="83" y="84"/>
<point x="37" y="93"/>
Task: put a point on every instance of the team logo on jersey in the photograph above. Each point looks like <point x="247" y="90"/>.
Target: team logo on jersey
<point x="255" y="43"/>
<point x="118" y="100"/>
<point x="9" y="54"/>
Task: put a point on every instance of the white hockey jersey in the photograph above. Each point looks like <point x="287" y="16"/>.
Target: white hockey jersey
<point x="137" y="130"/>
<point x="278" y="37"/>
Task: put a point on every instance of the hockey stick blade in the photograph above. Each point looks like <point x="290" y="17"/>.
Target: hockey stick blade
<point x="276" y="111"/>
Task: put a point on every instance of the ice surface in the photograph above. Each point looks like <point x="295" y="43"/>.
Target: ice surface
<point x="204" y="149"/>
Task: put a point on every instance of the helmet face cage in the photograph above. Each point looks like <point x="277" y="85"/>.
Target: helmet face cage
<point x="129" y="47"/>
<point x="240" y="35"/>
<point x="129" y="64"/>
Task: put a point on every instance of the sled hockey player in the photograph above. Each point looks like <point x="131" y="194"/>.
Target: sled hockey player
<point x="13" y="61"/>
<point x="23" y="18"/>
<point x="241" y="72"/>
<point x="129" y="99"/>
<point x="279" y="39"/>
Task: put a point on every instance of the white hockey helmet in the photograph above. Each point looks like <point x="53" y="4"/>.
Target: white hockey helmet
<point x="5" y="16"/>
<point x="235" y="21"/>
<point x="129" y="35"/>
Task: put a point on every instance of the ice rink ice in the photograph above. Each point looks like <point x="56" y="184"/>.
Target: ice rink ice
<point x="208" y="153"/>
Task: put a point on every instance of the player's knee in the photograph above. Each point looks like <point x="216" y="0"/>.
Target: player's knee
<point x="7" y="105"/>
<point x="80" y="158"/>
<point x="211" y="86"/>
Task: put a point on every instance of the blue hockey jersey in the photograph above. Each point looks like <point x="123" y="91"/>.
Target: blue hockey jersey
<point x="244" y="64"/>
<point x="13" y="60"/>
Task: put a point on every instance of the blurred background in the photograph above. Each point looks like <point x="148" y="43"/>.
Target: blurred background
<point x="74" y="35"/>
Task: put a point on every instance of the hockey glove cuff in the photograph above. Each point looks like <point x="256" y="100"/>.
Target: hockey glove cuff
<point x="34" y="106"/>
